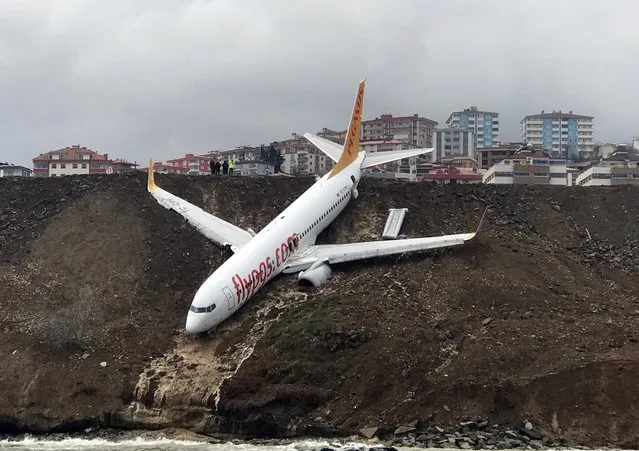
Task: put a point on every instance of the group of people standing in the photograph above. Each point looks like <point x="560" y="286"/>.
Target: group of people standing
<point x="226" y="167"/>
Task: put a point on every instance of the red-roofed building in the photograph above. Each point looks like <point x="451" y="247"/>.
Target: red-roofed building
<point x="451" y="174"/>
<point x="161" y="168"/>
<point x="73" y="160"/>
<point x="192" y="164"/>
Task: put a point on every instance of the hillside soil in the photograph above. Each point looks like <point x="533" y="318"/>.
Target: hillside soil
<point x="534" y="321"/>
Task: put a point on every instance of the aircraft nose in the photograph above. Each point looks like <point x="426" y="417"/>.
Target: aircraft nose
<point x="194" y="324"/>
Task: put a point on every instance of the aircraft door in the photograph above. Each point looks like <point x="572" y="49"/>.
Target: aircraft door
<point x="229" y="297"/>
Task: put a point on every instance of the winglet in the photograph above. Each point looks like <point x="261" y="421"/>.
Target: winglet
<point x="151" y="186"/>
<point x="480" y="223"/>
<point x="351" y="146"/>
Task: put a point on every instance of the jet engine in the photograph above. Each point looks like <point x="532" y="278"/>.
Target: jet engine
<point x="316" y="275"/>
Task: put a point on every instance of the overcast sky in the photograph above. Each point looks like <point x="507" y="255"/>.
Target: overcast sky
<point x="159" y="78"/>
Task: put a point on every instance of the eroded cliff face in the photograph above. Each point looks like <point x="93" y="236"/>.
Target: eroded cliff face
<point x="535" y="319"/>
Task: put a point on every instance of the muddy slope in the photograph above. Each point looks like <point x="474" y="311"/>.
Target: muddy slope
<point x="535" y="320"/>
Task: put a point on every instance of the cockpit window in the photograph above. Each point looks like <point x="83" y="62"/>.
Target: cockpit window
<point x="195" y="309"/>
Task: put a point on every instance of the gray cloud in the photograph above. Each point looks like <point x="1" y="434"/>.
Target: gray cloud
<point x="163" y="77"/>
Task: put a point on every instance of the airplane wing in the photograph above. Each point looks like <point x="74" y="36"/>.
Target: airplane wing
<point x="217" y="230"/>
<point x="373" y="159"/>
<point x="340" y="253"/>
<point x="333" y="150"/>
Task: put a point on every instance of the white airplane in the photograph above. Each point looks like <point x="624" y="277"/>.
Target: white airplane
<point x="287" y="243"/>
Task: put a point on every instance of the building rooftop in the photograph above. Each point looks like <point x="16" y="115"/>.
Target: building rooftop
<point x="374" y="142"/>
<point x="13" y="166"/>
<point x="556" y="114"/>
<point x="471" y="110"/>
<point x="391" y="118"/>
<point x="71" y="153"/>
<point x="623" y="156"/>
<point x="451" y="172"/>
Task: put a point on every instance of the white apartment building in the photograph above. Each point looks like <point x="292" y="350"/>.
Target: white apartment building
<point x="483" y="124"/>
<point x="564" y="135"/>
<point x="531" y="171"/>
<point x="621" y="168"/>
<point x="451" y="142"/>
<point x="414" y="130"/>
<point x="635" y="142"/>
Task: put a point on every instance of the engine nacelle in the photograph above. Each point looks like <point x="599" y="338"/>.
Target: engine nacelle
<point x="315" y="275"/>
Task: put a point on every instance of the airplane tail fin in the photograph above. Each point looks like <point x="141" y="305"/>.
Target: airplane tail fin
<point x="351" y="146"/>
<point x="151" y="186"/>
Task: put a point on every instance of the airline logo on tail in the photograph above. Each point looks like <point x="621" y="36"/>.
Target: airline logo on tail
<point x="351" y="146"/>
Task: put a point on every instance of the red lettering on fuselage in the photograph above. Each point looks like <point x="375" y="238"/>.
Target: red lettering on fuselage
<point x="245" y="287"/>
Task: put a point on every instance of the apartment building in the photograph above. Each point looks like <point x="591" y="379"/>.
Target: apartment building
<point x="621" y="168"/>
<point x="72" y="160"/>
<point x="483" y="124"/>
<point x="460" y="162"/>
<point x="191" y="164"/>
<point x="162" y="168"/>
<point x="13" y="170"/>
<point x="253" y="168"/>
<point x="414" y="130"/>
<point x="490" y="156"/>
<point x="121" y="166"/>
<point x="301" y="157"/>
<point x="635" y="143"/>
<point x="564" y="135"/>
<point x="240" y="153"/>
<point x="538" y="169"/>
<point x="332" y="135"/>
<point x="450" y="142"/>
<point x="452" y="175"/>
<point x="406" y="168"/>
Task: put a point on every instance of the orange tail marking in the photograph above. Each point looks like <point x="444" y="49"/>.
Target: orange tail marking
<point x="351" y="146"/>
<point x="151" y="183"/>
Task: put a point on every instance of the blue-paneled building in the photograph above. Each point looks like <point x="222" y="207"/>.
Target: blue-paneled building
<point x="483" y="124"/>
<point x="564" y="135"/>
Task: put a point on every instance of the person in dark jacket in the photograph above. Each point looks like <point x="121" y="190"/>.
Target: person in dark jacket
<point x="218" y="167"/>
<point x="212" y="166"/>
<point x="225" y="167"/>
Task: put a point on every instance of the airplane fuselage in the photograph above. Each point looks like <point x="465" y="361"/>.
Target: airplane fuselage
<point x="265" y="255"/>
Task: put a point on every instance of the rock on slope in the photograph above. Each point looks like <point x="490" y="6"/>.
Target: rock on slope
<point x="535" y="319"/>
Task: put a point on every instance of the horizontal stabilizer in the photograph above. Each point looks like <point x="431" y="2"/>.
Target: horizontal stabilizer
<point x="330" y="148"/>
<point x="376" y="158"/>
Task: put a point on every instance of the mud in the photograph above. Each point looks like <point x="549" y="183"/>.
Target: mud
<point x="534" y="321"/>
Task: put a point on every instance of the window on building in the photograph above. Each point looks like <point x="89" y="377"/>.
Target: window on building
<point x="75" y="165"/>
<point x="84" y="165"/>
<point x="63" y="165"/>
<point x="54" y="165"/>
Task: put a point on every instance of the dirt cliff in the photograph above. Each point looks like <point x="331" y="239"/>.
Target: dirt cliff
<point x="535" y="320"/>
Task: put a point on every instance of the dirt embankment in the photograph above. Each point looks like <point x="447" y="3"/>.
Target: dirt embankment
<point x="535" y="320"/>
